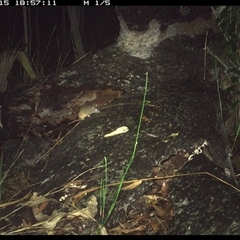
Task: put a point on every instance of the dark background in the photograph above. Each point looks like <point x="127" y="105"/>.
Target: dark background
<point x="50" y="39"/>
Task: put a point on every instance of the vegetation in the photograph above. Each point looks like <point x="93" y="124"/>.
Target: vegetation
<point x="228" y="20"/>
<point x="103" y="186"/>
<point x="44" y="42"/>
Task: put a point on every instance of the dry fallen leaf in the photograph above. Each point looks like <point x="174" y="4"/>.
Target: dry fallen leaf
<point x="119" y="130"/>
<point x="103" y="230"/>
<point x="53" y="220"/>
<point x="150" y="199"/>
<point x="89" y="212"/>
<point x="132" y="185"/>
<point x="36" y="200"/>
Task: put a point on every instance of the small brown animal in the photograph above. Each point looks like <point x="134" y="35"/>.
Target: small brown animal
<point x="86" y="111"/>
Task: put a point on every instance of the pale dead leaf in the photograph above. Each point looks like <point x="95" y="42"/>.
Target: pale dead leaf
<point x="164" y="189"/>
<point x="89" y="212"/>
<point x="150" y="199"/>
<point x="52" y="221"/>
<point x="119" y="130"/>
<point x="39" y="216"/>
<point x="36" y="200"/>
<point x="103" y="230"/>
<point x="132" y="185"/>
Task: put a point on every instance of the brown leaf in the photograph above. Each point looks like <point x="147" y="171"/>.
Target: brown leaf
<point x="132" y="185"/>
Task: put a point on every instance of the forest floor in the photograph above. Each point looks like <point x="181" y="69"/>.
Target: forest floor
<point x="151" y="217"/>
